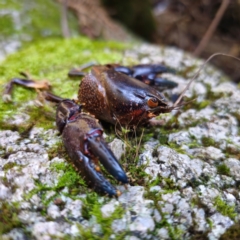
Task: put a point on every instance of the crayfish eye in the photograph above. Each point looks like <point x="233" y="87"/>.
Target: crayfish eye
<point x="152" y="102"/>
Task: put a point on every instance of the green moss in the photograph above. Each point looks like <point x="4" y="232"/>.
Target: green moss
<point x="210" y="223"/>
<point x="168" y="186"/>
<point x="172" y="123"/>
<point x="223" y="169"/>
<point x="173" y="231"/>
<point x="92" y="207"/>
<point x="202" y="180"/>
<point x="207" y="141"/>
<point x="51" y="60"/>
<point x="193" y="104"/>
<point x="196" y="201"/>
<point x="212" y="96"/>
<point x="70" y="178"/>
<point x="202" y="104"/>
<point x="130" y="158"/>
<point x="9" y="165"/>
<point x="176" y="147"/>
<point x="224" y="208"/>
<point x="163" y="138"/>
<point x="56" y="150"/>
<point x="7" y="25"/>
<point x="136" y="174"/>
<point x="9" y="216"/>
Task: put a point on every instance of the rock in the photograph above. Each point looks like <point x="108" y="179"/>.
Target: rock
<point x="142" y="225"/>
<point x="4" y="192"/>
<point x="53" y="211"/>
<point x="234" y="167"/>
<point x="109" y="208"/>
<point x="200" y="220"/>
<point x="118" y="147"/>
<point x="219" y="225"/>
<point x="162" y="233"/>
<point x="16" y="234"/>
<point x="119" y="225"/>
<point x="46" y="230"/>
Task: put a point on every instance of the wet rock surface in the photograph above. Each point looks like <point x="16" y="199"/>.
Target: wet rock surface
<point x="191" y="177"/>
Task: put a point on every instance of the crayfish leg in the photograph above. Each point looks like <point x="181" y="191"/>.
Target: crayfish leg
<point x="28" y="83"/>
<point x="149" y="74"/>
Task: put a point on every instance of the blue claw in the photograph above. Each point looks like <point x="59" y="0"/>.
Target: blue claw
<point x="108" y="160"/>
<point x="94" y="178"/>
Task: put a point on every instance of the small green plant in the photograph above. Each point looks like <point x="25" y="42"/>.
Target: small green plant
<point x="92" y="207"/>
<point x="9" y="216"/>
<point x="223" y="169"/>
<point x="176" y="147"/>
<point x="70" y="178"/>
<point x="224" y="208"/>
<point x="207" y="141"/>
<point x="210" y="223"/>
<point x="173" y="231"/>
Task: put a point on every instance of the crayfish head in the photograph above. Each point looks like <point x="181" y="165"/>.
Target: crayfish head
<point x="156" y="105"/>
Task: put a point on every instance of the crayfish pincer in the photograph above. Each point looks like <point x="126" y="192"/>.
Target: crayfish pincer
<point x="82" y="138"/>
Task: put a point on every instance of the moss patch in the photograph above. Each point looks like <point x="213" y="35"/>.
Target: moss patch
<point x="207" y="141"/>
<point x="70" y="178"/>
<point x="224" y="208"/>
<point x="92" y="207"/>
<point x="9" y="216"/>
<point x="223" y="169"/>
<point x="51" y="60"/>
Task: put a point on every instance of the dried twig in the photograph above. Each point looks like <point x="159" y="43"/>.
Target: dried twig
<point x="211" y="28"/>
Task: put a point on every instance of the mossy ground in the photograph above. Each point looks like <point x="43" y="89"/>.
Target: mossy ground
<point x="9" y="216"/>
<point x="51" y="60"/>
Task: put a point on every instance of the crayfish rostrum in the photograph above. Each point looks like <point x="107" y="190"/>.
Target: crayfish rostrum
<point x="119" y="95"/>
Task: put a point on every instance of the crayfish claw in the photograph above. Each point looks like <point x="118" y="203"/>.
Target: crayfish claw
<point x="82" y="138"/>
<point x="106" y="157"/>
<point x="94" y="178"/>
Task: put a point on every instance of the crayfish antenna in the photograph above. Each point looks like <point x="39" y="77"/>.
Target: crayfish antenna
<point x="176" y="104"/>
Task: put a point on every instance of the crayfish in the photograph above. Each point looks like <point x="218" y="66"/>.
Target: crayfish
<point x="112" y="93"/>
